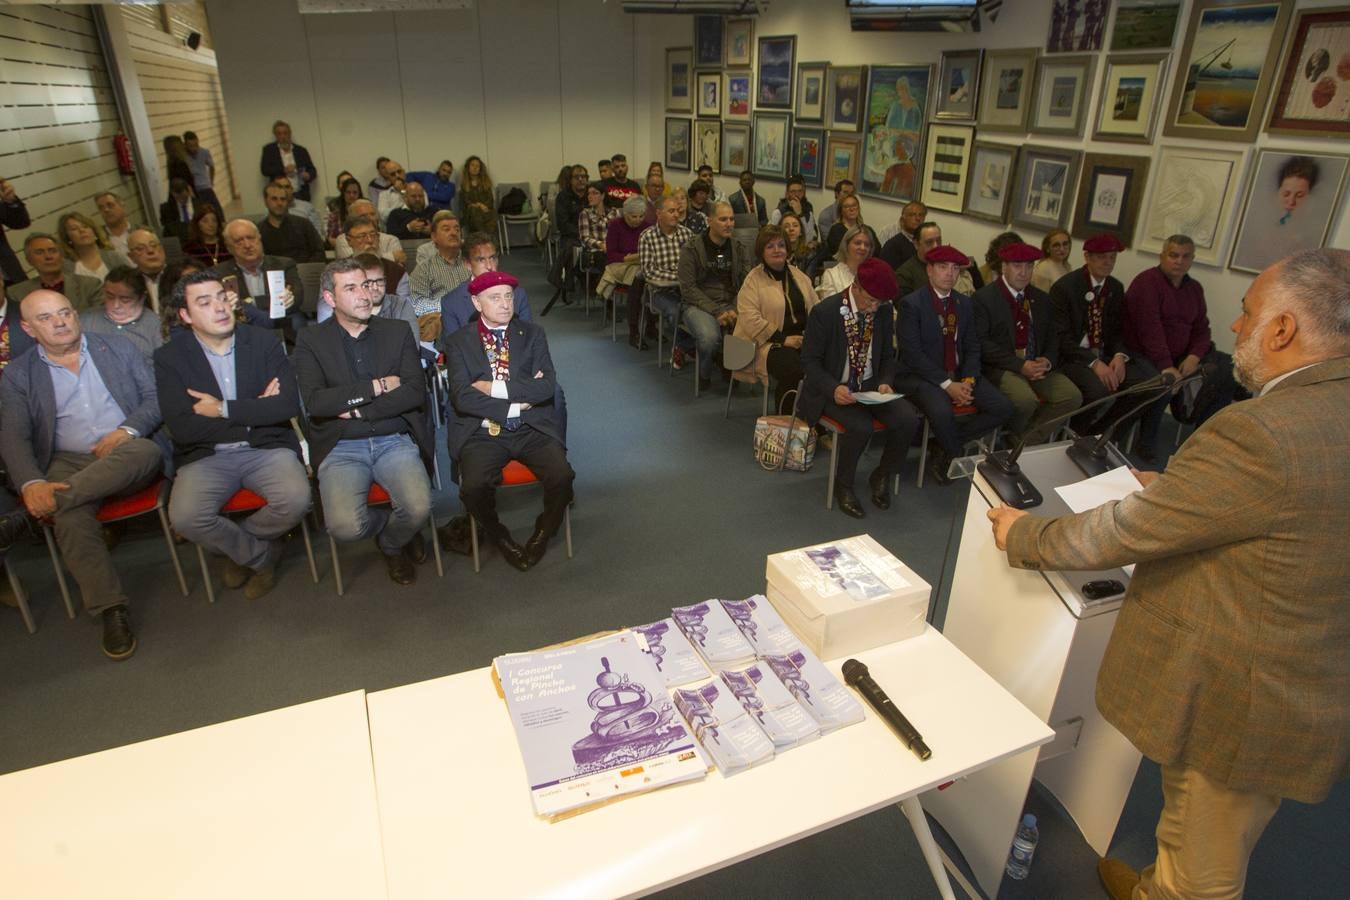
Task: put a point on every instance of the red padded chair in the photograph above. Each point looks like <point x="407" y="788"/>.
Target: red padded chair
<point x="244" y="501"/>
<point x="516" y="473"/>
<point x="375" y="496"/>
<point x="836" y="429"/>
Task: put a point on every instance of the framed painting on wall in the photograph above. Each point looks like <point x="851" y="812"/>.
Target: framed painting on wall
<point x="811" y="92"/>
<point x="677" y="143"/>
<point x="771" y="150"/>
<point x="958" y="85"/>
<point x="1144" y="24"/>
<point x="989" y="182"/>
<point x="1192" y="193"/>
<point x="708" y="144"/>
<point x="735" y="147"/>
<point x="708" y="41"/>
<point x="1109" y="195"/>
<point x="808" y="156"/>
<point x="774" y="59"/>
<point x="1313" y="96"/>
<point x="1076" y="26"/>
<point x="1046" y="178"/>
<point x="679" y="79"/>
<point x="896" y="111"/>
<point x="737" y="89"/>
<point x="1005" y="89"/>
<point x="845" y="87"/>
<point x="1128" y="107"/>
<point x="945" y="166"/>
<point x="1063" y="89"/>
<point x="843" y="158"/>
<point x="1292" y="200"/>
<point x="1225" y="69"/>
<point x="738" y="40"/>
<point x="709" y="103"/>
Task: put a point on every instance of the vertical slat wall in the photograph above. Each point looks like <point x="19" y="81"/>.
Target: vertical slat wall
<point x="58" y="115"/>
<point x="181" y="87"/>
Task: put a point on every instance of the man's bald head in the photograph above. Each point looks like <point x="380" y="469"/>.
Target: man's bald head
<point x="49" y="318"/>
<point x="361" y="208"/>
<point x="244" y="242"/>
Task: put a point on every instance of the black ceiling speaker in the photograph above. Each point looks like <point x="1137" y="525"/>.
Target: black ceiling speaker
<point x="194" y="40"/>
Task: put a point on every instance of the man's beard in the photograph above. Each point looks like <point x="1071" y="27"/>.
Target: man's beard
<point x="1248" y="368"/>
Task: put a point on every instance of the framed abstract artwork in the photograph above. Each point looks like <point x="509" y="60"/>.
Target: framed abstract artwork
<point x="989" y="181"/>
<point x="958" y="85"/>
<point x="945" y="166"/>
<point x="735" y="147"/>
<point x="1063" y="90"/>
<point x="738" y="40"/>
<point x="677" y="143"/>
<point x="1046" y="177"/>
<point x="1128" y="108"/>
<point x="771" y="150"/>
<point x="1144" y="24"/>
<point x="1076" y="26"/>
<point x="708" y="144"/>
<point x="1005" y="89"/>
<point x="774" y="60"/>
<point x="1109" y="196"/>
<point x="1313" y="95"/>
<point x="708" y="41"/>
<point x="737" y="89"/>
<point x="1225" y="69"/>
<point x="1292" y="199"/>
<point x="679" y="79"/>
<point x="1192" y="193"/>
<point x="896" y="116"/>
<point x="845" y="87"/>
<point x="808" y="156"/>
<point x="811" y="92"/>
<point x="843" y="158"/>
<point x="709" y="94"/>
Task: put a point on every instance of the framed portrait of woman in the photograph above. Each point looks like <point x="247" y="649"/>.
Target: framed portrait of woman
<point x="1292" y="199"/>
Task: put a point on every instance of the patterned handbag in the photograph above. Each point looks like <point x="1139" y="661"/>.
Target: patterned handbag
<point x="785" y="442"/>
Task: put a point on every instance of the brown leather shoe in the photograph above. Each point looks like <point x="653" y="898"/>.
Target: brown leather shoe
<point x="234" y="575"/>
<point x="1117" y="877"/>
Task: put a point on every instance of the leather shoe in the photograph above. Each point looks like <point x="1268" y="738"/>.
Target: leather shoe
<point x="938" y="461"/>
<point x="118" y="641"/>
<point x="881" y="492"/>
<point x="848" y="503"/>
<point x="14" y="525"/>
<point x="454" y="536"/>
<point x="416" y="549"/>
<point x="1117" y="877"/>
<point x="535" y="547"/>
<point x="234" y="575"/>
<point x="512" y="552"/>
<point x="401" y="569"/>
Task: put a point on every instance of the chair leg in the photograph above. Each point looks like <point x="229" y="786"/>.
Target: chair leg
<point x="435" y="548"/>
<point x="697" y="368"/>
<point x="834" y="463"/>
<point x="764" y="407"/>
<point x="309" y="551"/>
<point x="731" y="384"/>
<point x="22" y="596"/>
<point x="337" y="569"/>
<point x="473" y="542"/>
<point x="567" y="530"/>
<point x="173" y="550"/>
<point x="60" y="575"/>
<point x="923" y="452"/>
<point x="206" y="575"/>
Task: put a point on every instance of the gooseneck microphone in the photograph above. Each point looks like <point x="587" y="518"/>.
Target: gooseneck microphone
<point x="1089" y="453"/>
<point x="855" y="676"/>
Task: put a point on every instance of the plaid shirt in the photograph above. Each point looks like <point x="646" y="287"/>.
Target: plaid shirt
<point x="660" y="254"/>
<point x="594" y="226"/>
<point x="433" y="279"/>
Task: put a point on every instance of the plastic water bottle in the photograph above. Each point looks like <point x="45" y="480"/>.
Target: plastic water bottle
<point x="1023" y="848"/>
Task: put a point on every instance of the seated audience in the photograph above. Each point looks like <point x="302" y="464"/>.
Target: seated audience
<point x="303" y="208"/>
<point x="604" y="169"/>
<point x="1018" y="346"/>
<point x="442" y="271"/>
<point x="477" y="201"/>
<point x="593" y="225"/>
<point x="362" y="238"/>
<point x="652" y="191"/>
<point x="380" y="183"/>
<point x="771" y="310"/>
<point x="384" y="302"/>
<point x="659" y="256"/>
<point x="849" y="347"/>
<point x="284" y="159"/>
<point x="44" y="255"/>
<point x="856" y="246"/>
<point x="991" y="268"/>
<point x="340" y="208"/>
<point x="705" y="175"/>
<point x="457" y="308"/>
<point x="147" y="255"/>
<point x="696" y="220"/>
<point x="850" y="216"/>
<point x="830" y="214"/>
<point x="566" y="211"/>
<point x="621" y="247"/>
<point x="393" y="197"/>
<point x="228" y="395"/>
<point x="116" y="228"/>
<point x="1055" y="264"/>
<point x="284" y="234"/>
<point x="900" y="249"/>
<point x="800" y="253"/>
<point x="364" y="394"/>
<point x="795" y="203"/>
<point x="123" y="311"/>
<point x="618" y="187"/>
<point x="712" y="269"/>
<point x="13" y="215"/>
<point x="206" y="243"/>
<point x="76" y="418"/>
<point x="914" y="273"/>
<point x="502" y="392"/>
<point x="747" y="202"/>
<point x="14" y="342"/>
<point x="176" y="213"/>
<point x="1167" y="322"/>
<point x="85" y="247"/>
<point x="655" y="168"/>
<point x="439" y="185"/>
<point x="245" y="275"/>
<point x="388" y="246"/>
<point x="1090" y="319"/>
<point x="176" y="162"/>
<point x="940" y="361"/>
<point x="412" y="220"/>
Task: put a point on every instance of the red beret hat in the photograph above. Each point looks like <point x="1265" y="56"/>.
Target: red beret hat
<point x="491" y="280"/>
<point x="945" y="253"/>
<point x="878" y="279"/>
<point x="1019" y="252"/>
<point x="1103" y="243"/>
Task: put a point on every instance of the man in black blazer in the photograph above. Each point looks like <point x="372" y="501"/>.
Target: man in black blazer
<point x="838" y="360"/>
<point x="364" y="392"/>
<point x="283" y="159"/>
<point x="940" y="361"/>
<point x="1090" y="323"/>
<point x="245" y="274"/>
<point x="228" y="395"/>
<point x="502" y="389"/>
<point x="1018" y="346"/>
<point x="176" y="213"/>
<point x="746" y="201"/>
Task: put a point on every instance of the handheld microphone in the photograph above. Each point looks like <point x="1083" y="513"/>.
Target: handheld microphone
<point x="1089" y="453"/>
<point x="855" y="676"/>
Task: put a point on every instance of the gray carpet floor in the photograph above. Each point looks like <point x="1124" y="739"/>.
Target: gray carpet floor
<point x="671" y="509"/>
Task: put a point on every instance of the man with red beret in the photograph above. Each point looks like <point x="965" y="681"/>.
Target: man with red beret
<point x="847" y="349"/>
<point x="1018" y="350"/>
<point x="1090" y="321"/>
<point x="502" y="389"/>
<point x="940" y="360"/>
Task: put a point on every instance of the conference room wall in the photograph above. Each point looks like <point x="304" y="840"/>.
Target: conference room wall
<point x="822" y="31"/>
<point x="526" y="84"/>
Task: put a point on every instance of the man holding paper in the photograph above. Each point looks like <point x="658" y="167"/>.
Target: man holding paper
<point x="1230" y="662"/>
<point x="268" y="286"/>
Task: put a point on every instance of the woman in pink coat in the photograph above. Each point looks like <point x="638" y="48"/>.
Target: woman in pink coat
<point x="771" y="310"/>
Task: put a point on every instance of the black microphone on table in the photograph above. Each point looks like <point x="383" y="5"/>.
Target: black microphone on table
<point x="1089" y="453"/>
<point x="855" y="676"/>
<point x="1005" y="476"/>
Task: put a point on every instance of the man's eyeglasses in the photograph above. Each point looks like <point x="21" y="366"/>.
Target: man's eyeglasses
<point x="373" y="283"/>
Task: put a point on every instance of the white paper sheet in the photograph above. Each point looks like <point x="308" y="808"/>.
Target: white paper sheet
<point x="1091" y="493"/>
<point x="874" y="398"/>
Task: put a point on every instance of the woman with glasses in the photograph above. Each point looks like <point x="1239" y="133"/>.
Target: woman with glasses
<point x="1056" y="246"/>
<point x="850" y="216"/>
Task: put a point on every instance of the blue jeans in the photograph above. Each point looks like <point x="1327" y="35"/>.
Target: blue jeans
<point x="345" y="476"/>
<point x="667" y="303"/>
<point x="202" y="487"/>
<point x="707" y="335"/>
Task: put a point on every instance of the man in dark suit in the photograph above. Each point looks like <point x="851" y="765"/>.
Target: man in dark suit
<point x="1229" y="663"/>
<point x="901" y="248"/>
<point x="284" y="234"/>
<point x="1018" y="346"/>
<point x="365" y="397"/>
<point x="76" y="414"/>
<point x="746" y="201"/>
<point x="245" y="274"/>
<point x="175" y="214"/>
<point x="44" y="255"/>
<point x="502" y="389"/>
<point x="847" y="348"/>
<point x="228" y="395"/>
<point x="283" y="159"/>
<point x="940" y="361"/>
<point x="1090" y="320"/>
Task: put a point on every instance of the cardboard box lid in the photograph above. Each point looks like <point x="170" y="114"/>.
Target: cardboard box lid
<point x="842" y="576"/>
